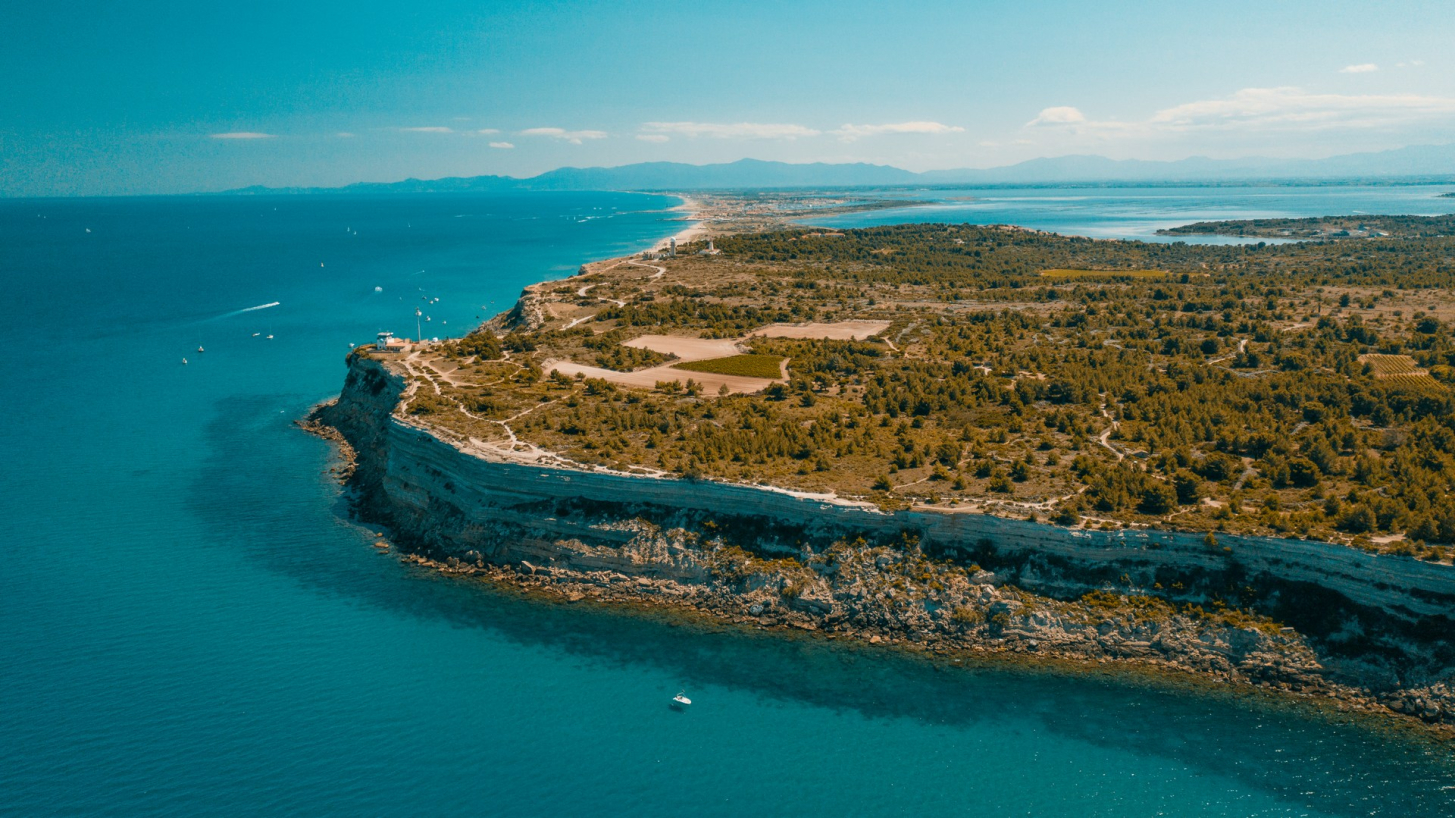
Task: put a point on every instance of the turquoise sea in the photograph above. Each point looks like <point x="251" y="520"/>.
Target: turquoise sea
<point x="191" y="625"/>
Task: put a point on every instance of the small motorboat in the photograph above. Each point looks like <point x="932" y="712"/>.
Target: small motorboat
<point x="680" y="701"/>
<point x="184" y="362"/>
<point x="200" y="349"/>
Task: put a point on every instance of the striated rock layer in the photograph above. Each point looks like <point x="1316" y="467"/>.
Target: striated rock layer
<point x="1311" y="617"/>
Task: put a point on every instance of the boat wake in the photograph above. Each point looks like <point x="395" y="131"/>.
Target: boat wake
<point x="232" y="313"/>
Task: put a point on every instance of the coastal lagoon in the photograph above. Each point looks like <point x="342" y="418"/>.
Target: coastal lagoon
<point x="190" y="623"/>
<point x="1138" y="212"/>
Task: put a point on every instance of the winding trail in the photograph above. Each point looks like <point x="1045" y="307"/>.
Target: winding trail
<point x="661" y="271"/>
<point x="1105" y="437"/>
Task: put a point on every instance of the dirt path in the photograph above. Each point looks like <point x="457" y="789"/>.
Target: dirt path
<point x="1105" y="437"/>
<point x="661" y="271"/>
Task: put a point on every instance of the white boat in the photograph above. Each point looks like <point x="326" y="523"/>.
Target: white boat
<point x="184" y="362"/>
<point x="680" y="701"/>
<point x="200" y="349"/>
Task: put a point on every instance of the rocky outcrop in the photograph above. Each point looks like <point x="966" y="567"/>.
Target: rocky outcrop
<point x="1296" y="615"/>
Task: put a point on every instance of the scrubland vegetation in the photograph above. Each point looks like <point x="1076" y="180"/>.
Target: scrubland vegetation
<point x="1292" y="390"/>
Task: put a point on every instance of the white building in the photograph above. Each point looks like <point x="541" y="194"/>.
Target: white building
<point x="388" y="343"/>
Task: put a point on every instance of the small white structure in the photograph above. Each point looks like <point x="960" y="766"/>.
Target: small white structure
<point x="710" y="251"/>
<point x="672" y="247"/>
<point x="388" y="343"/>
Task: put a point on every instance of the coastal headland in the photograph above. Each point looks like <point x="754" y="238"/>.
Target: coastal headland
<point x="1226" y="461"/>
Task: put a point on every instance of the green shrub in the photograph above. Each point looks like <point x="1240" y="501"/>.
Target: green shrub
<point x="746" y="366"/>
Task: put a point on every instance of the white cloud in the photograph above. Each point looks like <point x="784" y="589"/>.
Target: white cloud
<point x="653" y="137"/>
<point x="738" y="130"/>
<point x="1293" y="107"/>
<point x="849" y="133"/>
<point x="242" y="135"/>
<point x="574" y="137"/>
<point x="1263" y="110"/>
<point x="1410" y="64"/>
<point x="1361" y="68"/>
<point x="501" y="145"/>
<point x="428" y="129"/>
<point x="1060" y="115"/>
<point x="488" y="131"/>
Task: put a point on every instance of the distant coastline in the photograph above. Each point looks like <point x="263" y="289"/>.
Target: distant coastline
<point x="1416" y="165"/>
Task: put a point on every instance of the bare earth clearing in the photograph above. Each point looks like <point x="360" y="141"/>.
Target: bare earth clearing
<point x="688" y="349"/>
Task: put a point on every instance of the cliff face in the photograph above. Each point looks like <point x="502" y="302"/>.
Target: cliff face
<point x="1359" y="622"/>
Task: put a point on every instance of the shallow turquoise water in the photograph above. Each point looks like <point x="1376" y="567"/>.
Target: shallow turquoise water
<point x="1139" y="212"/>
<point x="189" y="624"/>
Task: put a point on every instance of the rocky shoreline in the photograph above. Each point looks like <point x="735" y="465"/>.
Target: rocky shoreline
<point x="882" y="591"/>
<point x="554" y="585"/>
<point x="1272" y="669"/>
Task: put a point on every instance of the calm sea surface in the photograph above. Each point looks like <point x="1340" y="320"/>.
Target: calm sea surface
<point x="189" y="623"/>
<point x="1139" y="212"/>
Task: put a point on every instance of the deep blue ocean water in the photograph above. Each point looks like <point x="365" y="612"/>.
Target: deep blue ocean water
<point x="191" y="625"/>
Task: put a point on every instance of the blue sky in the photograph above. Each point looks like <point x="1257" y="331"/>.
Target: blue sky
<point x="147" y="97"/>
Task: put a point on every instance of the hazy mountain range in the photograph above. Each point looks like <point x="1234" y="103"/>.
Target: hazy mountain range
<point x="1434" y="163"/>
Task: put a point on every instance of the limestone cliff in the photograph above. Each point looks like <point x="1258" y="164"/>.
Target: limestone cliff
<point x="1297" y="615"/>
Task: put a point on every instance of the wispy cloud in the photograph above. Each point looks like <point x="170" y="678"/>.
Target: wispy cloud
<point x="574" y="137"/>
<point x="1294" y="107"/>
<point x="429" y="129"/>
<point x="242" y="135"/>
<point x="1410" y="64"/>
<point x="1361" y="68"/>
<point x="653" y="137"/>
<point x="1263" y="109"/>
<point x="849" y="133"/>
<point x="1059" y="115"/>
<point x="737" y="130"/>
<point x="501" y="145"/>
<point x="488" y="131"/>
